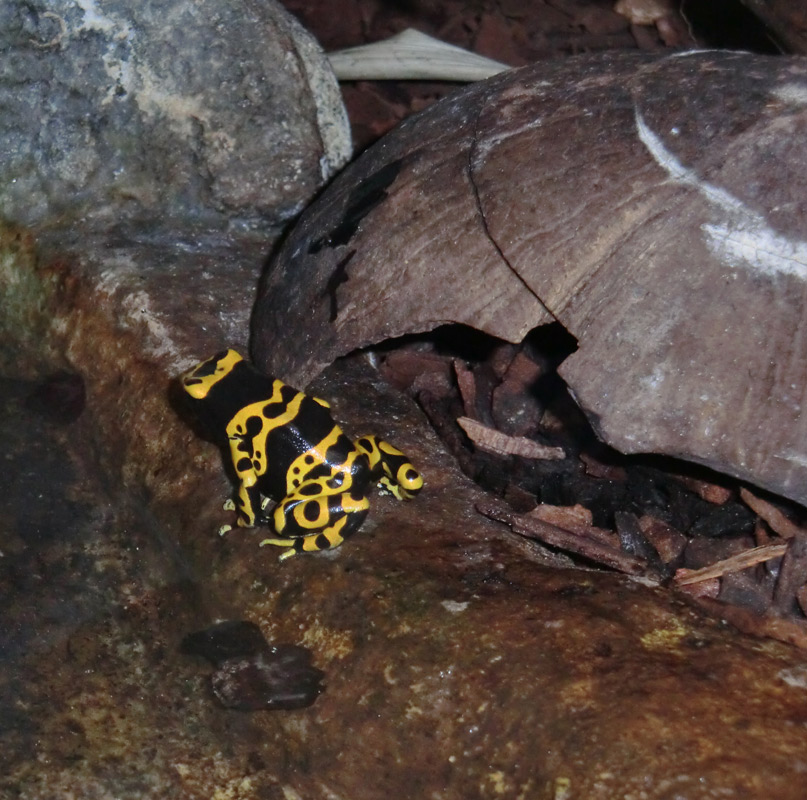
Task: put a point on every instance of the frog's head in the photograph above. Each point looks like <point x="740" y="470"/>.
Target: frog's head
<point x="199" y="380"/>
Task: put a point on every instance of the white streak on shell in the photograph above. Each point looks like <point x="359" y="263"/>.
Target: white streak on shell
<point x="738" y="236"/>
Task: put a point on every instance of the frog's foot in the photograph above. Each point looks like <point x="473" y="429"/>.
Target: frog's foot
<point x="390" y="468"/>
<point x="312" y="543"/>
<point x="224" y="528"/>
<point x="387" y="486"/>
<point x="229" y="505"/>
<point x="290" y="543"/>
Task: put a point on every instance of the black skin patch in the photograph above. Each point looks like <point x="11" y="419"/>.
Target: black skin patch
<point x="363" y="199"/>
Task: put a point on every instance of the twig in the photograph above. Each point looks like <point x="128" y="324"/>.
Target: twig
<point x="756" y="555"/>
<point x="534" y="528"/>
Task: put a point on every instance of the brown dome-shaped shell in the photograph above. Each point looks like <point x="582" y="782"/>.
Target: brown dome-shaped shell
<point x="654" y="206"/>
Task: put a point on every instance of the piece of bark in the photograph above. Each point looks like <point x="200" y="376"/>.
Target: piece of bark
<point x="787" y="20"/>
<point x="467" y="387"/>
<point x="792" y="573"/>
<point x="493" y="441"/>
<point x="709" y="588"/>
<point x="515" y="408"/>
<point x="711" y="492"/>
<point x="701" y="552"/>
<point x="633" y="540"/>
<point x="771" y="514"/>
<point x="597" y="469"/>
<point x="402" y="367"/>
<point x="576" y="519"/>
<point x="583" y="546"/>
<point x="668" y="542"/>
<point x="748" y="589"/>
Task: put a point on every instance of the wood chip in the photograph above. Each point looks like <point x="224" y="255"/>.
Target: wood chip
<point x="711" y="492"/>
<point x="748" y="558"/>
<point x="633" y="539"/>
<point x="576" y="519"/>
<point x="467" y="386"/>
<point x="644" y="12"/>
<point x="515" y="407"/>
<point x="668" y="541"/>
<point x="792" y="574"/>
<point x="600" y="553"/>
<point x="771" y="514"/>
<point x="596" y="469"/>
<point x="493" y="441"/>
<point x="761" y="535"/>
<point x="709" y="588"/>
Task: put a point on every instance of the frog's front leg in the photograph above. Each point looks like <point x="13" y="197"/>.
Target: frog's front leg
<point x="308" y="520"/>
<point x="390" y="468"/>
<point x="248" y="498"/>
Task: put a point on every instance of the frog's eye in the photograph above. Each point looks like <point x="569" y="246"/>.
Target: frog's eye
<point x="411" y="478"/>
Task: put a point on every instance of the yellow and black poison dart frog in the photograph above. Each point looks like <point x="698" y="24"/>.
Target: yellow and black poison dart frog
<point x="285" y="446"/>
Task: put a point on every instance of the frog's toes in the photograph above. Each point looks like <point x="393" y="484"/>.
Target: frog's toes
<point x="282" y="543"/>
<point x="224" y="528"/>
<point x="278" y="542"/>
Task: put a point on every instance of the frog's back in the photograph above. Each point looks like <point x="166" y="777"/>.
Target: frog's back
<point x="241" y="387"/>
<point x="301" y="425"/>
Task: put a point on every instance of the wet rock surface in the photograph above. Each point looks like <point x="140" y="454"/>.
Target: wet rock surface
<point x="455" y="661"/>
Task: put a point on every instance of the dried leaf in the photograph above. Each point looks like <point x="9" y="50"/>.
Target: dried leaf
<point x="412" y="55"/>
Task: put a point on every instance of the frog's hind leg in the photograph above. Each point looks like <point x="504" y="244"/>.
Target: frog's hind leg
<point x="316" y="522"/>
<point x="390" y="468"/>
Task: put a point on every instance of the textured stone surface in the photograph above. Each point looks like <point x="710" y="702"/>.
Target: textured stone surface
<point x="651" y="205"/>
<point x="221" y="115"/>
<point x="455" y="664"/>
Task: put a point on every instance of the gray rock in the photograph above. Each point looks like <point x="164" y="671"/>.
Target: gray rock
<point x="207" y="114"/>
